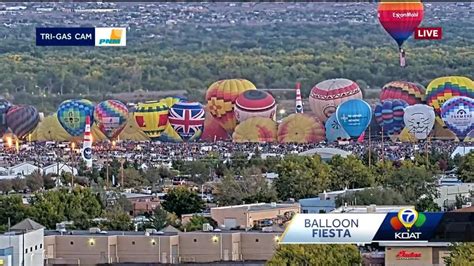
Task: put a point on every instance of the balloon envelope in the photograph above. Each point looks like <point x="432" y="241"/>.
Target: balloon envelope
<point x="400" y="18"/>
<point x="212" y="129"/>
<point x="187" y="119"/>
<point x="72" y="115"/>
<point x="334" y="131"/>
<point x="419" y="120"/>
<point x="301" y="128"/>
<point x="458" y="115"/>
<point x="22" y="119"/>
<point x="444" y="88"/>
<point x="152" y="118"/>
<point x="389" y="115"/>
<point x="411" y="93"/>
<point x="255" y="103"/>
<point x="327" y="95"/>
<point x="256" y="129"/>
<point x="4" y="106"/>
<point x="221" y="97"/>
<point x="354" y="116"/>
<point x="111" y="117"/>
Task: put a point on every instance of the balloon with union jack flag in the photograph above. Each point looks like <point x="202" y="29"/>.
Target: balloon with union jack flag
<point x="187" y="119"/>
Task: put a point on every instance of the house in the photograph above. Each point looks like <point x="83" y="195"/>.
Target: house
<point x="58" y="169"/>
<point x="23" y="169"/>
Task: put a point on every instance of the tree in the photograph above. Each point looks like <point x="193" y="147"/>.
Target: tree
<point x="466" y="168"/>
<point x="5" y="186"/>
<point x="133" y="178"/>
<point x="251" y="187"/>
<point x="301" y="177"/>
<point x="35" y="181"/>
<point x="182" y="201"/>
<point x="12" y="207"/>
<point x="197" y="221"/>
<point x="322" y="254"/>
<point x="19" y="184"/>
<point x="378" y="196"/>
<point x="349" y="172"/>
<point x="117" y="220"/>
<point x="159" y="219"/>
<point x="461" y="254"/>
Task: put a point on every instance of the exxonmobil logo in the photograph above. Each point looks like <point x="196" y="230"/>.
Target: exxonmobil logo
<point x="407" y="255"/>
<point x="432" y="33"/>
<point x="405" y="14"/>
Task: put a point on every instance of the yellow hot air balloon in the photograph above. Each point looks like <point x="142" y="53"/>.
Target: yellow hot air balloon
<point x="221" y="96"/>
<point x="132" y="131"/>
<point x="152" y="118"/>
<point x="301" y="128"/>
<point x="256" y="129"/>
<point x="444" y="88"/>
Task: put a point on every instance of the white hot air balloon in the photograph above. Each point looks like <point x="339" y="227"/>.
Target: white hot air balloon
<point x="419" y="120"/>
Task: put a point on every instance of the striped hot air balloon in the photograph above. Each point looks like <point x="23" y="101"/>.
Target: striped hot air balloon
<point x="255" y="103"/>
<point x="411" y="93"/>
<point x="444" y="88"/>
<point x="301" y="128"/>
<point x="22" y="120"/>
<point x="389" y="115"/>
<point x="4" y="106"/>
<point x="327" y="95"/>
<point x="221" y="97"/>
<point x="111" y="117"/>
<point x="152" y="118"/>
<point x="256" y="129"/>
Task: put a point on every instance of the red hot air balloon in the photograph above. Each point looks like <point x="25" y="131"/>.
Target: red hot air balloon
<point x="400" y="19"/>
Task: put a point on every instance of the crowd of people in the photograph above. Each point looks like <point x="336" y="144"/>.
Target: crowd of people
<point x="43" y="154"/>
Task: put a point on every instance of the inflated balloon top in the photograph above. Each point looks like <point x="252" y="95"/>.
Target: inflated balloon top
<point x="4" y="106"/>
<point x="152" y="118"/>
<point x="444" y="88"/>
<point x="22" y="119"/>
<point x="327" y="95"/>
<point x="389" y="115"/>
<point x="400" y="19"/>
<point x="111" y="117"/>
<point x="187" y="119"/>
<point x="354" y="116"/>
<point x="255" y="103"/>
<point x="334" y="131"/>
<point x="301" y="128"/>
<point x="256" y="129"/>
<point x="221" y="96"/>
<point x="72" y="115"/>
<point x="411" y="93"/>
<point x="458" y="115"/>
<point x="419" y="120"/>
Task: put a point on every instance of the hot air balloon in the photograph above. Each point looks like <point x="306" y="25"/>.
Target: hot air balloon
<point x="410" y="92"/>
<point x="400" y="19"/>
<point x="72" y="115"/>
<point x="327" y="95"/>
<point x="255" y="103"/>
<point x="256" y="129"/>
<point x="334" y="131"/>
<point x="221" y="97"/>
<point x="441" y="89"/>
<point x="354" y="116"/>
<point x="300" y="128"/>
<point x="22" y="120"/>
<point x="169" y="134"/>
<point x="458" y="115"/>
<point x="389" y="115"/>
<point x="152" y="118"/>
<point x="111" y="117"/>
<point x="4" y="106"/>
<point x="419" y="120"/>
<point x="213" y="130"/>
<point x="187" y="119"/>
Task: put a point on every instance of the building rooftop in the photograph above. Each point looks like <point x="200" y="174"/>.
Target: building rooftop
<point x="259" y="206"/>
<point x="27" y="225"/>
<point x="142" y="233"/>
<point x="372" y="208"/>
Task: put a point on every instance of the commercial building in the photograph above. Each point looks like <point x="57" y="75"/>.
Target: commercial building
<point x="84" y="248"/>
<point x="22" y="245"/>
<point x="253" y="215"/>
<point x="417" y="254"/>
<point x="317" y="205"/>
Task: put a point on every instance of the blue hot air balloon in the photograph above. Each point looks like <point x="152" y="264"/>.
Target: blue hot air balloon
<point x="389" y="115"/>
<point x="72" y="115"/>
<point x="334" y="131"/>
<point x="354" y="116"/>
<point x="458" y="115"/>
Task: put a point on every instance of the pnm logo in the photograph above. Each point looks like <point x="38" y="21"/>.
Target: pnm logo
<point x="407" y="219"/>
<point x="115" y="37"/>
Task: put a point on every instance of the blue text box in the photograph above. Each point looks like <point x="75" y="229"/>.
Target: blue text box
<point x="65" y="36"/>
